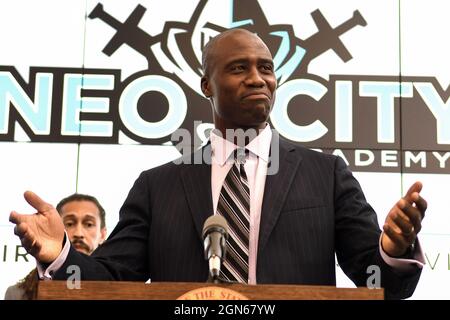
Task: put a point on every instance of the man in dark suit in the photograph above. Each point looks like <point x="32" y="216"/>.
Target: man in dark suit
<point x="299" y="217"/>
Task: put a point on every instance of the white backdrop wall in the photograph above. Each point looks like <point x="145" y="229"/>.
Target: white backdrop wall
<point x="401" y="39"/>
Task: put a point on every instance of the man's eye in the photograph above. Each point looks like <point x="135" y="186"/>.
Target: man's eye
<point x="267" y="67"/>
<point x="237" y="68"/>
<point x="69" y="224"/>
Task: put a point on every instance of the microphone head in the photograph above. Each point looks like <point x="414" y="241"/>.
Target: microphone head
<point x="215" y="223"/>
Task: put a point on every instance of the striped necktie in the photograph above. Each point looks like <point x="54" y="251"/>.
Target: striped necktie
<point x="234" y="206"/>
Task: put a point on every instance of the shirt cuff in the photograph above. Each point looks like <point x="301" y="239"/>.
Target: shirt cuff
<point x="46" y="272"/>
<point x="405" y="265"/>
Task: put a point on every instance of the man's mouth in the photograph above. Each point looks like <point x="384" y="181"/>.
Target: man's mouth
<point x="79" y="245"/>
<point x="256" y="96"/>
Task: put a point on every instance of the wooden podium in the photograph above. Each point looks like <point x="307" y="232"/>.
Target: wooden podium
<point x="121" y="290"/>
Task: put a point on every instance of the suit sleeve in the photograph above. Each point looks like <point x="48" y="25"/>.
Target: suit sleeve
<point x="357" y="239"/>
<point x="124" y="256"/>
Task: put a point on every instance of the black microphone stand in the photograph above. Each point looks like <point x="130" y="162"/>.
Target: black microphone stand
<point x="218" y="279"/>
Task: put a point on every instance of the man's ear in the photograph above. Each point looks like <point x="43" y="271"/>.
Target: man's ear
<point x="102" y="235"/>
<point x="204" y="85"/>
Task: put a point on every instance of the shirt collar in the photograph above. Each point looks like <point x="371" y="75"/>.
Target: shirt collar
<point x="259" y="146"/>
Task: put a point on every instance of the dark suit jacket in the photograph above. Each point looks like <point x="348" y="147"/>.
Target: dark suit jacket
<point x="312" y="209"/>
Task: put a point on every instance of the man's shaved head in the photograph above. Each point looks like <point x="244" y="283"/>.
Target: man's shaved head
<point x="208" y="50"/>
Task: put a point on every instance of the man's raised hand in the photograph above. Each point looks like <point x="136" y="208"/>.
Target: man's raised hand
<point x="404" y="222"/>
<point x="41" y="233"/>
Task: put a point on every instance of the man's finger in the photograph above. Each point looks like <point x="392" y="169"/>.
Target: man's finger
<point x="28" y="241"/>
<point x="15" y="217"/>
<point x="34" y="249"/>
<point x="36" y="202"/>
<point x="20" y="230"/>
<point x="412" y="214"/>
<point x="26" y="235"/>
<point x="422" y="205"/>
<point x="403" y="223"/>
<point x="395" y="237"/>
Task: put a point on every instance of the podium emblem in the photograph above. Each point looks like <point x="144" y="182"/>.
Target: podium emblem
<point x="212" y="293"/>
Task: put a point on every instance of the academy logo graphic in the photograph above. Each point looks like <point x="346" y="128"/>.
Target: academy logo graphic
<point x="370" y="121"/>
<point x="181" y="44"/>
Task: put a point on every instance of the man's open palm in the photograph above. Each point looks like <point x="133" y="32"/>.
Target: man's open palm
<point x="42" y="233"/>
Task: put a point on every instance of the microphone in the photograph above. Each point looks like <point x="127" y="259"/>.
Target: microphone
<point x="215" y="235"/>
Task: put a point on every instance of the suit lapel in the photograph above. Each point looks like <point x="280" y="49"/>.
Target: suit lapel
<point x="275" y="191"/>
<point x="196" y="180"/>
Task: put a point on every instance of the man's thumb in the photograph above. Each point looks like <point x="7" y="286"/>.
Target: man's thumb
<point x="36" y="202"/>
<point x="415" y="187"/>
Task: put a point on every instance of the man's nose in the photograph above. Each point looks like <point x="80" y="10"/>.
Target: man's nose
<point x="254" y="78"/>
<point x="79" y="231"/>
